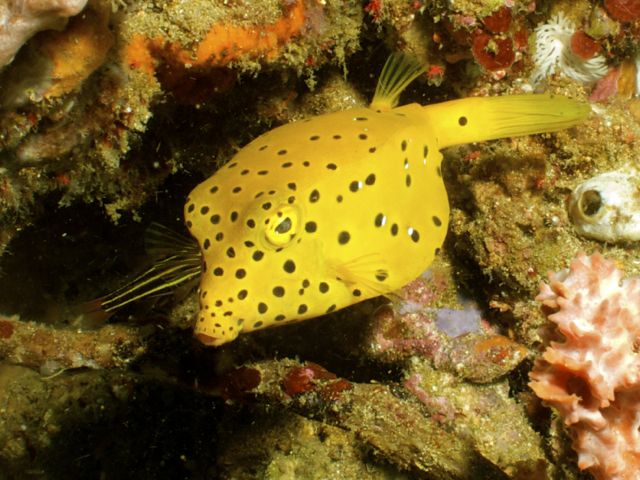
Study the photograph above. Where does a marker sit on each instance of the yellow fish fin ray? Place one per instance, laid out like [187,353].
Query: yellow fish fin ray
[183,265]
[398,72]
[161,241]
[478,119]
[150,283]
[367,272]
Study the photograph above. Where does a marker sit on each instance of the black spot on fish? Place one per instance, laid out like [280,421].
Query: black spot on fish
[363,136]
[278,291]
[241,273]
[356,293]
[191,208]
[436,221]
[215,219]
[302,309]
[236,189]
[242,294]
[372,150]
[244,172]
[403,145]
[415,236]
[291,186]
[263,147]
[310,227]
[287,164]
[381,275]
[232,165]
[189,224]
[258,324]
[279,318]
[231,252]
[305,283]
[218,272]
[354,186]
[379,220]
[266,205]
[219,236]
[407,180]
[282,152]
[332,166]
[313,138]
[257,255]
[371,179]
[305,163]
[462,121]
[263,172]
[344,237]
[323,287]
[394,229]
[289,266]
[213,189]
[262,307]
[337,137]
[234,216]
[291,199]
[425,151]
[258,195]
[251,223]
[332,308]
[314,196]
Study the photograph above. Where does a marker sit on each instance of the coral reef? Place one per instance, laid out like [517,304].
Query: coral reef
[22,19]
[108,121]
[590,372]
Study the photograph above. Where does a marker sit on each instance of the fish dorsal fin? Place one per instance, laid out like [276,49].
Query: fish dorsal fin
[398,72]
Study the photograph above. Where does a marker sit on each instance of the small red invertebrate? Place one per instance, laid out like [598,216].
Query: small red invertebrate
[499,21]
[623,10]
[493,53]
[333,390]
[6,329]
[583,45]
[302,379]
[374,8]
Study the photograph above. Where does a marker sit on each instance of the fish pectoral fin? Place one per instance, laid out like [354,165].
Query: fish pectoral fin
[367,272]
[398,72]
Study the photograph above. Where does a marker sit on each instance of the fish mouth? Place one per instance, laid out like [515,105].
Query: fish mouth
[207,340]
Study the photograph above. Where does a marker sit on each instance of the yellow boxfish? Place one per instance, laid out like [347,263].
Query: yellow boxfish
[319,214]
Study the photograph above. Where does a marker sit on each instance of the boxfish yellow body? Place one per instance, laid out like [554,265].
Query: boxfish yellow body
[317,215]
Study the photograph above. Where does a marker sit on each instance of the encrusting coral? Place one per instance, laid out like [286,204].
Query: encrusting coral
[592,377]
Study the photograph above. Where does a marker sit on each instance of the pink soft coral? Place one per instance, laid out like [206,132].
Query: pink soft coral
[593,377]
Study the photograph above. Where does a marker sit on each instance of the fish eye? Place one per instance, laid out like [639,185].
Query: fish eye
[282,226]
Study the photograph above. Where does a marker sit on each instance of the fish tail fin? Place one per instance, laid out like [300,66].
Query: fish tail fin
[398,72]
[477,119]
